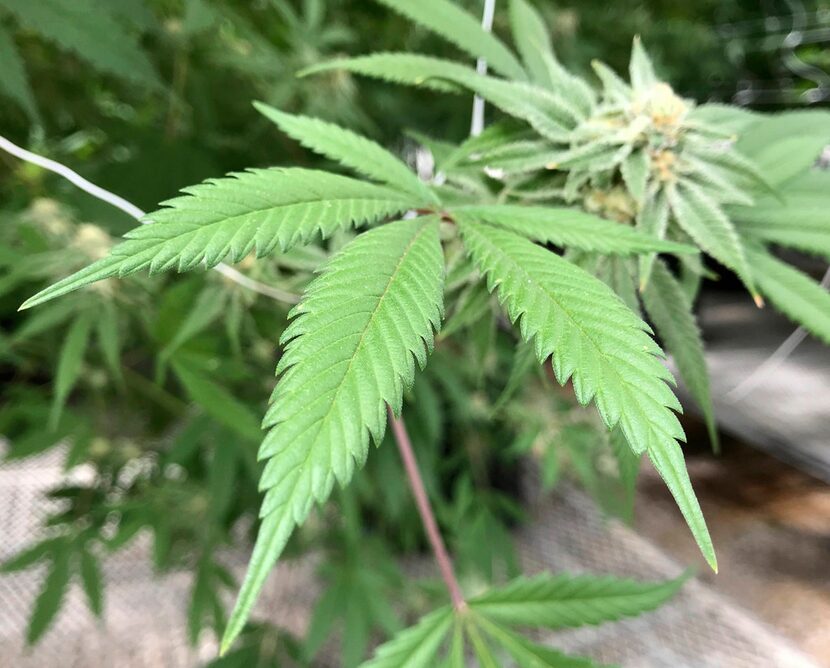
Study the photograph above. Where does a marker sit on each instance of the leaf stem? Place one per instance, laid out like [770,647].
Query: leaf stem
[442,557]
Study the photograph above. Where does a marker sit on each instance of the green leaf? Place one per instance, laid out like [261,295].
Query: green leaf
[653,219]
[709,226]
[628,467]
[87,29]
[258,210]
[92,581]
[45,319]
[14,82]
[222,480]
[736,166]
[640,68]
[784,145]
[614,88]
[524,361]
[472,305]
[671,311]
[527,653]
[109,339]
[595,339]
[570,228]
[51,595]
[548,113]
[69,364]
[793,293]
[635,171]
[30,556]
[798,219]
[462,29]
[482,650]
[564,601]
[217,401]
[208,307]
[725,117]
[417,646]
[456,657]
[350,149]
[532,41]
[349,351]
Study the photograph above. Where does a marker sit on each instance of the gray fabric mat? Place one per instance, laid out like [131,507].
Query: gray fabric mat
[144,624]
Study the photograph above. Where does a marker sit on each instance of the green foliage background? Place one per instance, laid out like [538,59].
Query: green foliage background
[150,379]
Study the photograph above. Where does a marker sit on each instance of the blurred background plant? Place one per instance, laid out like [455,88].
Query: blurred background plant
[146,383]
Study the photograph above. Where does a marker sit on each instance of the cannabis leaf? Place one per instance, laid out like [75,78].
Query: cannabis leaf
[259,210]
[13,79]
[671,311]
[798,218]
[532,41]
[572,228]
[86,28]
[792,291]
[542,601]
[416,646]
[564,601]
[548,113]
[596,340]
[350,149]
[704,221]
[350,350]
[462,29]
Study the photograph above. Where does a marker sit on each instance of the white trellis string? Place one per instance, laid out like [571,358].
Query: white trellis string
[748,384]
[132,210]
[477,122]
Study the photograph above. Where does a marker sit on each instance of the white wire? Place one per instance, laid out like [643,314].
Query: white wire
[746,386]
[132,210]
[477,121]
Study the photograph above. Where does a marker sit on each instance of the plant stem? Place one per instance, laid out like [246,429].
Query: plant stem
[425,511]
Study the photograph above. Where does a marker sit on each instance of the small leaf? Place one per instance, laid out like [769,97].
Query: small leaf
[51,595]
[30,556]
[217,401]
[709,226]
[614,88]
[92,581]
[798,220]
[417,646]
[361,154]
[785,144]
[793,292]
[672,315]
[529,654]
[462,29]
[109,339]
[640,68]
[564,601]
[570,228]
[14,81]
[550,114]
[69,364]
[208,307]
[532,40]
[635,171]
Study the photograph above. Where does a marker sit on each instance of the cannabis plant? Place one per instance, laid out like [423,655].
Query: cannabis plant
[567,211]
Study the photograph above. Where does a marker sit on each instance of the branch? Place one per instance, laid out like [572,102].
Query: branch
[133,211]
[425,511]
